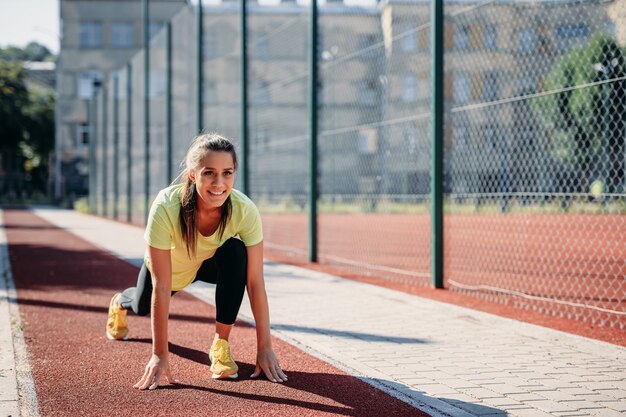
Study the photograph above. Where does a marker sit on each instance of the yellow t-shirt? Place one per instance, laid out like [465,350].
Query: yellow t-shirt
[163,232]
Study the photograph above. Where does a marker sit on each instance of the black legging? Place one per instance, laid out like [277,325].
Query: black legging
[227,269]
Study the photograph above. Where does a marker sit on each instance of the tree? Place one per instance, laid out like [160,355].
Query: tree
[38,140]
[584,119]
[32,52]
[13,98]
[27,126]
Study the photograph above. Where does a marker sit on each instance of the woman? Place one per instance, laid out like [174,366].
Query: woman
[191,236]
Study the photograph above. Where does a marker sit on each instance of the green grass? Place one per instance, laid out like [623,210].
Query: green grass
[286,205]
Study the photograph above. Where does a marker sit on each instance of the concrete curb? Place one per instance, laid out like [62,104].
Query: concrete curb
[17,388]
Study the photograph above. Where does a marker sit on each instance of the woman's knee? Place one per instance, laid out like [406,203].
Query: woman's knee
[234,250]
[141,310]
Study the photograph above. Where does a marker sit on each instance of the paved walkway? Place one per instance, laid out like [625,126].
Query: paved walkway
[446,360]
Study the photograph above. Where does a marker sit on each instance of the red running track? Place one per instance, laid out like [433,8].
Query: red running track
[64,285]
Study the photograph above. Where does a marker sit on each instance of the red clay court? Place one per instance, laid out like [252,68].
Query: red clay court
[573,259]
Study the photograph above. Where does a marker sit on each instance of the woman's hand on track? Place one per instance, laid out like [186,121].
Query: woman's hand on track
[267,362]
[158,367]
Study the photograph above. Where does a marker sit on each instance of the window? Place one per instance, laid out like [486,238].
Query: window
[491,86]
[209,93]
[410,138]
[368,93]
[408,40]
[82,135]
[610,29]
[462,88]
[367,141]
[208,47]
[90,35]
[409,88]
[489,135]
[460,138]
[527,85]
[261,48]
[568,36]
[122,35]
[461,38]
[527,40]
[154,28]
[367,45]
[262,138]
[88,81]
[259,92]
[157,83]
[121,83]
[490,38]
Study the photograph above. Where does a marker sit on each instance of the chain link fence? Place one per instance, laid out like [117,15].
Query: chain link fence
[535,124]
[278,126]
[535,157]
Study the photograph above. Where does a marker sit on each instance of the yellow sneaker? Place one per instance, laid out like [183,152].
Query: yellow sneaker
[222,364]
[116,324]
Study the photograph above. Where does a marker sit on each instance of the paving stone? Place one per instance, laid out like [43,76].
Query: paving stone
[438,390]
[599,385]
[502,402]
[551,383]
[480,393]
[615,405]
[551,406]
[458,383]
[9,409]
[595,397]
[507,389]
[615,393]
[586,405]
[578,391]
[8,385]
[527,397]
[558,396]
[529,412]
[619,384]
[608,413]
[478,408]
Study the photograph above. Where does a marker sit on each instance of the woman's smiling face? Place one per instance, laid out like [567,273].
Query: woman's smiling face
[214,178]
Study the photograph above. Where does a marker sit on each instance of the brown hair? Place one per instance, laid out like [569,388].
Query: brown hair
[200,145]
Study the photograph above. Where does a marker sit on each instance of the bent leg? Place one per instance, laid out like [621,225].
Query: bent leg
[138,298]
[227,268]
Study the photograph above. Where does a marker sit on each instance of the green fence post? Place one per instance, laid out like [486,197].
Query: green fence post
[116,139]
[244,98]
[313,132]
[200,65]
[146,107]
[91,114]
[105,145]
[168,103]
[436,267]
[129,142]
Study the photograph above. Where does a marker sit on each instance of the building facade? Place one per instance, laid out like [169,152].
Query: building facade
[98,37]
[374,93]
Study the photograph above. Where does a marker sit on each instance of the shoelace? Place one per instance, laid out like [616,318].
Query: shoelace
[222,353]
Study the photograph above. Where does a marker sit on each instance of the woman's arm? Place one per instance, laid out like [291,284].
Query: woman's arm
[266,359]
[161,266]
